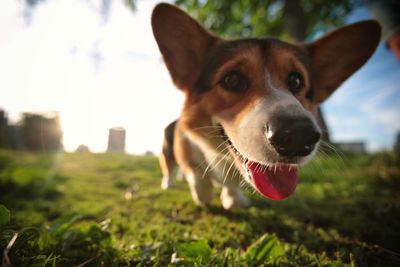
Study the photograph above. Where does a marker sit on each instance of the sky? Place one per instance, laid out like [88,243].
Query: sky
[367,106]
[98,75]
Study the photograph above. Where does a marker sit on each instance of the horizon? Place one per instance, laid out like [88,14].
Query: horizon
[98,76]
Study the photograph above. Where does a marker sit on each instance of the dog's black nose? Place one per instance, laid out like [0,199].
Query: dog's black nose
[293,136]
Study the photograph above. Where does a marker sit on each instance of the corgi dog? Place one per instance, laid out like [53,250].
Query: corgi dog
[250,104]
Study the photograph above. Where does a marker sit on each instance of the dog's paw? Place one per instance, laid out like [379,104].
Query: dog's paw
[201,196]
[231,198]
[166,183]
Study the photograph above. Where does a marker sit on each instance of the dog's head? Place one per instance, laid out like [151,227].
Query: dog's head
[263,92]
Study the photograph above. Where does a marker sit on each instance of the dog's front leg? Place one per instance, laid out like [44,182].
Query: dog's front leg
[225,174]
[201,187]
[191,161]
[168,165]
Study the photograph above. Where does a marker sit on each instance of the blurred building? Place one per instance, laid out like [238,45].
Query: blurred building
[149,153]
[352,147]
[82,149]
[116,139]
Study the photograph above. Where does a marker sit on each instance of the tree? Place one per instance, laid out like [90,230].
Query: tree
[4,136]
[101,6]
[293,20]
[39,133]
[286,19]
[33,132]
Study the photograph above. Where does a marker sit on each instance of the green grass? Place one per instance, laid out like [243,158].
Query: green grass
[108,210]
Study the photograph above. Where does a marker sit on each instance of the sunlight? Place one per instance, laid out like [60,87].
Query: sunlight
[96,77]
[88,122]
[80,130]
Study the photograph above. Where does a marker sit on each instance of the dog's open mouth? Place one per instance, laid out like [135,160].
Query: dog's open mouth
[275,182]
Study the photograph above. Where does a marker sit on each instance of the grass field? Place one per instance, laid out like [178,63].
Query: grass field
[108,210]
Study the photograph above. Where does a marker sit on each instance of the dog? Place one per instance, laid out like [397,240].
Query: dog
[250,104]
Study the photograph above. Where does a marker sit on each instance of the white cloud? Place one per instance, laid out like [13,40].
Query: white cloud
[388,118]
[380,108]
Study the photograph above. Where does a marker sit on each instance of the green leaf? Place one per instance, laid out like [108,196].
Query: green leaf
[61,225]
[4,216]
[266,249]
[194,250]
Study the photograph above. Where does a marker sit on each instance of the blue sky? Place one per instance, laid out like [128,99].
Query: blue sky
[366,107]
[48,67]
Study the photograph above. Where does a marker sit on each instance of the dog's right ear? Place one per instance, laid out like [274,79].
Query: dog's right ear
[182,42]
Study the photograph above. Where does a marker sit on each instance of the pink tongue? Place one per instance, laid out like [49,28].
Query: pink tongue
[274,184]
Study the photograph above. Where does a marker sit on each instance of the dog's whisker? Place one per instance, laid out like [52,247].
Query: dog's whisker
[318,164]
[211,164]
[337,162]
[221,144]
[332,148]
[224,168]
[227,173]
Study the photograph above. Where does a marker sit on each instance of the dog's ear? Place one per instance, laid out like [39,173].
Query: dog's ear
[182,42]
[339,54]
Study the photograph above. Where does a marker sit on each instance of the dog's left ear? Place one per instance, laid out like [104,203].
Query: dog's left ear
[339,54]
[182,42]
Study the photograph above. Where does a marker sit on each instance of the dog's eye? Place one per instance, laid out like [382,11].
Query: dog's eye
[234,81]
[295,82]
